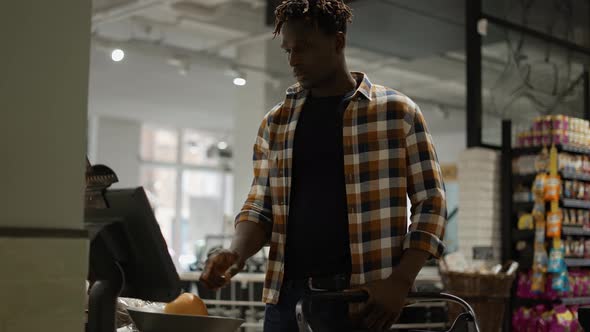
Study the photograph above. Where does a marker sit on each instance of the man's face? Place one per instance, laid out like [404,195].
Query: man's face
[313,55]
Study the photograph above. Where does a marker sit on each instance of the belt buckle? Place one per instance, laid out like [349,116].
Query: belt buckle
[312,288]
[334,283]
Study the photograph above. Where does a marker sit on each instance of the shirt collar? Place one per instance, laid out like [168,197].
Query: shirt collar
[364,88]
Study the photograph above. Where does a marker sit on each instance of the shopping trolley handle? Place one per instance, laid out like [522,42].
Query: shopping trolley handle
[303,309]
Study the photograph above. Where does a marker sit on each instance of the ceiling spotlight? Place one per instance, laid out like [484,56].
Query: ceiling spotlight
[239,81]
[117,55]
[222,145]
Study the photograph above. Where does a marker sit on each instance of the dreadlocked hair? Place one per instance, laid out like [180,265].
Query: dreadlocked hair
[331,16]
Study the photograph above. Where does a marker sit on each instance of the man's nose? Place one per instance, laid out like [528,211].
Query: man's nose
[294,60]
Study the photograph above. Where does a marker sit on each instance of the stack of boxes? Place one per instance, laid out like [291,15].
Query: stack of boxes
[555,129]
[479,215]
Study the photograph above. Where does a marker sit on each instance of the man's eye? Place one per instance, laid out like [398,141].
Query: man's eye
[287,51]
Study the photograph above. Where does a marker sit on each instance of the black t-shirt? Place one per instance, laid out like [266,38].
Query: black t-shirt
[317,229]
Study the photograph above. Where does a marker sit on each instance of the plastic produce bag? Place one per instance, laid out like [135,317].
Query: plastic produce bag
[123,319]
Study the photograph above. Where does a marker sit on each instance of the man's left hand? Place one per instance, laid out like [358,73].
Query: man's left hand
[386,300]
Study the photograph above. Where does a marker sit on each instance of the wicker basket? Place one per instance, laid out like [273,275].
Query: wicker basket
[487,294]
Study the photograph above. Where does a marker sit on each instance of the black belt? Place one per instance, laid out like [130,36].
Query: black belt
[336,282]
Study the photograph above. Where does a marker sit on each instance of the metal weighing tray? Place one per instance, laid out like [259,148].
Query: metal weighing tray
[147,320]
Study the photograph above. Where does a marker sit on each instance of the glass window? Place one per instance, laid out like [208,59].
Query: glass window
[160,186]
[159,144]
[200,148]
[205,193]
[202,207]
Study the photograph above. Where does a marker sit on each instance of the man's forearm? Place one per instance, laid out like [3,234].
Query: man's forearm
[412,261]
[249,238]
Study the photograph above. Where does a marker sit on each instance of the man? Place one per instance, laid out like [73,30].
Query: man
[332,166]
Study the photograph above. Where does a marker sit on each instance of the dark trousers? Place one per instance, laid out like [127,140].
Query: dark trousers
[327,316]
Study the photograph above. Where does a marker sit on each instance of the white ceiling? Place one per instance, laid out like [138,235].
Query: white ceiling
[147,88]
[204,35]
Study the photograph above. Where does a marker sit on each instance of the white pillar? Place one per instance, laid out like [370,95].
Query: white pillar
[43,109]
[250,108]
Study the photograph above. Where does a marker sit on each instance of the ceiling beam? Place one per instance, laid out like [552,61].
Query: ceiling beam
[124,11]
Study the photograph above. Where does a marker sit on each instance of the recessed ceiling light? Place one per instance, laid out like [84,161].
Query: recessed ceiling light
[117,55]
[222,145]
[239,81]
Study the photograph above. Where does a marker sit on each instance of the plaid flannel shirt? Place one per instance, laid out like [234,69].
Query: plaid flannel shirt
[388,154]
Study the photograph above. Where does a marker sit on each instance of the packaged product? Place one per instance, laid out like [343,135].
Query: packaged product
[587,248]
[552,188]
[585,164]
[539,210]
[525,222]
[579,253]
[561,282]
[580,189]
[556,262]
[573,217]
[537,282]
[566,217]
[539,185]
[568,189]
[564,319]
[554,224]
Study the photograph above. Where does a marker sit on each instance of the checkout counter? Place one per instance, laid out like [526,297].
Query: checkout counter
[129,258]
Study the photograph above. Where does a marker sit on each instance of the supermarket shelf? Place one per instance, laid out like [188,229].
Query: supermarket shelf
[575,230]
[565,300]
[525,151]
[241,277]
[575,203]
[565,202]
[575,176]
[526,234]
[252,325]
[566,175]
[235,303]
[574,149]
[533,302]
[577,262]
[575,300]
[564,148]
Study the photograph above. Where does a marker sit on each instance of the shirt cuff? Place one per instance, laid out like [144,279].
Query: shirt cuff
[424,241]
[253,216]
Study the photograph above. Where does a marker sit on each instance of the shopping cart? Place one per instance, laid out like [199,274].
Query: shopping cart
[465,322]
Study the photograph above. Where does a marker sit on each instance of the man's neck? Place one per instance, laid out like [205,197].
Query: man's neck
[340,83]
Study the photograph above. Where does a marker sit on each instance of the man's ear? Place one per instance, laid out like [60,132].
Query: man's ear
[340,41]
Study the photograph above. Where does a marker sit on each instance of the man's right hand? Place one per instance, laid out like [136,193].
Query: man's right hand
[220,267]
